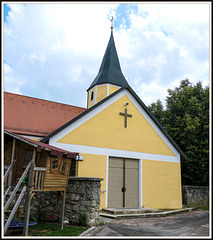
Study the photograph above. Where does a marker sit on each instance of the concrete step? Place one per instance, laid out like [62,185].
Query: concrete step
[119,211]
[144,212]
[126,212]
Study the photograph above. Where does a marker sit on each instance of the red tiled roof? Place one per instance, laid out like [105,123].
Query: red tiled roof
[33,116]
[53,150]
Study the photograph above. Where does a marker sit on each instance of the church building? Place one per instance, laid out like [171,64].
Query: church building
[116,138]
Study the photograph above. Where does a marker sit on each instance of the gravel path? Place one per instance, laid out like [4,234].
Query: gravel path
[145,222]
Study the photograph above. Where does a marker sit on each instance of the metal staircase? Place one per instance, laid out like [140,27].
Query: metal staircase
[13,196]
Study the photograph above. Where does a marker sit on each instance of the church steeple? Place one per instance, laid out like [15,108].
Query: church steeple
[109,75]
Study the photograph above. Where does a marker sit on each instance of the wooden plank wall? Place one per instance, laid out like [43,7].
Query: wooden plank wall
[21,149]
[7,153]
[55,179]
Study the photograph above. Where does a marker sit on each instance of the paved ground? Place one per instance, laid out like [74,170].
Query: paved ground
[194,223]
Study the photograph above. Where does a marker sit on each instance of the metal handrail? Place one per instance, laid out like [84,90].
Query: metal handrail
[17,187]
[8,170]
[14,209]
[7,192]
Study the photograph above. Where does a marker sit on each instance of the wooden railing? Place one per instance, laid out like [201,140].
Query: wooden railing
[38,178]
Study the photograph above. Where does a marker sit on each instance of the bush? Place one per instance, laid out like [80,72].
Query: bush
[82,219]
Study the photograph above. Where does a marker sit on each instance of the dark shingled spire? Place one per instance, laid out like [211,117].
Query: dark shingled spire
[110,70]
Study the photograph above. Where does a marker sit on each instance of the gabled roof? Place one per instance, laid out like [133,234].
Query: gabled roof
[33,116]
[127,87]
[110,70]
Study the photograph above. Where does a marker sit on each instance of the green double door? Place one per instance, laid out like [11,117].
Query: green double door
[123,183]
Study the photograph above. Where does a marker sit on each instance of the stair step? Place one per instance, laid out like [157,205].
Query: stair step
[135,215]
[126,211]
[8,210]
[157,213]
[18,191]
[107,215]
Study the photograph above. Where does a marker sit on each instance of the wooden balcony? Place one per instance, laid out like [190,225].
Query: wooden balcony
[38,178]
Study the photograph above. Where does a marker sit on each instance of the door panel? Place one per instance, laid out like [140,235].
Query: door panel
[132,163]
[115,183]
[115,162]
[117,174]
[132,183]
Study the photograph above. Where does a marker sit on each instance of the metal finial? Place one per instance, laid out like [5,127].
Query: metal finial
[112,22]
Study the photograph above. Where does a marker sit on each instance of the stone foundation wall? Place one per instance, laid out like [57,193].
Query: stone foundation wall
[82,197]
[195,195]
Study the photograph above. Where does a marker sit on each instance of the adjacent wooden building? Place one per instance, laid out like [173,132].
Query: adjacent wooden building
[37,165]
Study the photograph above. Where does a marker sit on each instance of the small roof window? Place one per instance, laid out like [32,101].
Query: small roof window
[92,96]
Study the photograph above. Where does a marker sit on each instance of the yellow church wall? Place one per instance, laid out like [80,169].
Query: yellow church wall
[109,131]
[94,166]
[89,102]
[101,92]
[32,137]
[161,184]
[35,139]
[112,89]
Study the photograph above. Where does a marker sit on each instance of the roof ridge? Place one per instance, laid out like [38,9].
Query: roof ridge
[43,99]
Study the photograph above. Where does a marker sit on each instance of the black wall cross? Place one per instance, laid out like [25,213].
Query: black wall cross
[125,115]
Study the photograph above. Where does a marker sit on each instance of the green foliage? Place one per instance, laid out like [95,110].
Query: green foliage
[157,109]
[54,230]
[82,219]
[101,223]
[204,208]
[186,119]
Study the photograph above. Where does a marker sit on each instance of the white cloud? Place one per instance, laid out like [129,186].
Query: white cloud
[166,43]
[151,92]
[12,84]
[39,57]
[56,49]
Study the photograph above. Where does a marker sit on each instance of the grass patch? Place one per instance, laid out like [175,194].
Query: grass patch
[54,230]
[204,208]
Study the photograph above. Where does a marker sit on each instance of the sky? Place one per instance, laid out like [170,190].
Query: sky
[53,50]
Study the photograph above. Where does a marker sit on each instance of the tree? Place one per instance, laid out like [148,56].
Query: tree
[158,111]
[186,119]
